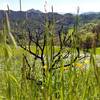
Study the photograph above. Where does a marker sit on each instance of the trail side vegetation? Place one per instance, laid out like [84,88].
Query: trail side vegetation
[45,65]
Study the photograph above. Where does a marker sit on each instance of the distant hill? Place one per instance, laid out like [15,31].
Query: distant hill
[35,18]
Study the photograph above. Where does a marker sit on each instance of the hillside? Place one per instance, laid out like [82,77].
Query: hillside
[36,18]
[32,20]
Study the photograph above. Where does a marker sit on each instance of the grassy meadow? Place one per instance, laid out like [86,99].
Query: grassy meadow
[35,70]
[73,82]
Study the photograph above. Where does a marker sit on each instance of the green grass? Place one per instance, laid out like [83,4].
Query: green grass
[77,83]
[98,50]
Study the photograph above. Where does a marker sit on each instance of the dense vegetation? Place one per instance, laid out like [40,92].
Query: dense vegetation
[45,60]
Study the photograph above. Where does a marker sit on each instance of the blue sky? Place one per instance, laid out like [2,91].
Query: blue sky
[61,6]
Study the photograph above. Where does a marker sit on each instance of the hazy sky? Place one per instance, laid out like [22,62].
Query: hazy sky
[61,6]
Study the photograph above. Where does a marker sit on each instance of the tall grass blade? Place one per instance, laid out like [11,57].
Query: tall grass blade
[9,30]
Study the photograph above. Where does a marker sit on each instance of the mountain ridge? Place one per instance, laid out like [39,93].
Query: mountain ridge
[36,18]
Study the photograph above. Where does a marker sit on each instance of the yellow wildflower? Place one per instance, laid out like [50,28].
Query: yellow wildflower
[79,65]
[86,61]
[66,68]
[45,67]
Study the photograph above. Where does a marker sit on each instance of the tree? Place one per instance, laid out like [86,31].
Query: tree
[96,31]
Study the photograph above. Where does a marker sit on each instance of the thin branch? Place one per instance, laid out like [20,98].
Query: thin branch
[30,52]
[67,55]
[26,61]
[66,65]
[37,44]
[56,61]
[57,54]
